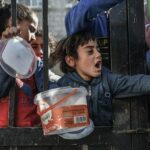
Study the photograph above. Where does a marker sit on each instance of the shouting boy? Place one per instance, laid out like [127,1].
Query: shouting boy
[81,62]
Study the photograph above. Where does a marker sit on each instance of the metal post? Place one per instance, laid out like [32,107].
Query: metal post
[45,40]
[12,91]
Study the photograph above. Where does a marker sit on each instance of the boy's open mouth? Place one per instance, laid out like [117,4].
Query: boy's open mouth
[97,65]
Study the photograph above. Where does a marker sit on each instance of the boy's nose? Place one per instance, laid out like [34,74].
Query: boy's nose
[40,53]
[98,54]
[33,37]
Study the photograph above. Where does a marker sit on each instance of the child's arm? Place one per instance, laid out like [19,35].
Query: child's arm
[127,86]
[26,89]
[39,76]
[78,17]
[53,78]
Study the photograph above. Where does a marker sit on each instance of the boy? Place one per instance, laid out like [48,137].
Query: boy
[82,64]
[25,112]
[93,16]
[37,45]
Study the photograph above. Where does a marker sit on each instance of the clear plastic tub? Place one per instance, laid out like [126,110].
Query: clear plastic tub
[62,110]
[17,58]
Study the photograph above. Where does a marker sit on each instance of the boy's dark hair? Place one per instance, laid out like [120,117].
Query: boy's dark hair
[23,13]
[68,46]
[5,14]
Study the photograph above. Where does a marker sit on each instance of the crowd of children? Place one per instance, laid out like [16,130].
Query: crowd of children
[79,59]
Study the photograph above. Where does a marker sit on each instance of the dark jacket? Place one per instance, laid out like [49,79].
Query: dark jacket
[90,15]
[6,81]
[103,88]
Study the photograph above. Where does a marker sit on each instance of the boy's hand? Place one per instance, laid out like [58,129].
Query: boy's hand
[10,32]
[19,82]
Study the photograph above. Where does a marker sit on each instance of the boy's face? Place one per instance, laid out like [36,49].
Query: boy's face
[88,64]
[28,29]
[37,46]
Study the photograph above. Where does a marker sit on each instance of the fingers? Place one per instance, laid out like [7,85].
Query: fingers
[10,32]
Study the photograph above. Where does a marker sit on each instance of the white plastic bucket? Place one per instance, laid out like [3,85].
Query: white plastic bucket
[17,58]
[62,110]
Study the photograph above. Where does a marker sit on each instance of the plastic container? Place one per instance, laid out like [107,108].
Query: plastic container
[80,133]
[17,58]
[62,110]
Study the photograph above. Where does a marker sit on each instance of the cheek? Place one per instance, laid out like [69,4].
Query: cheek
[24,34]
[86,63]
[36,50]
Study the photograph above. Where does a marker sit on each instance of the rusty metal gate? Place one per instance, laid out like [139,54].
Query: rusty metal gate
[131,116]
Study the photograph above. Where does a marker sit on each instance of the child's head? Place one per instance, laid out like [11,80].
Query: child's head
[78,52]
[26,20]
[37,44]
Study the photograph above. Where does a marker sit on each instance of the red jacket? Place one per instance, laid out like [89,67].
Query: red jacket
[25,109]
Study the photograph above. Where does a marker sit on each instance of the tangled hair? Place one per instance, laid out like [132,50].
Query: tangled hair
[68,47]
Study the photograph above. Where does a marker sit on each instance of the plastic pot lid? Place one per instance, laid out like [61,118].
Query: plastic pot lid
[17,58]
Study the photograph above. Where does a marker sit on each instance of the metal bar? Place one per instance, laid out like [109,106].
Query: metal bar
[13,12]
[16,136]
[12,91]
[45,40]
[133,131]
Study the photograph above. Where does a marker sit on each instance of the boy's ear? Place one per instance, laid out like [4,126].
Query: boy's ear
[70,61]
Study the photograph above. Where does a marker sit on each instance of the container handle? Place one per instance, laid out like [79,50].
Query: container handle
[57,103]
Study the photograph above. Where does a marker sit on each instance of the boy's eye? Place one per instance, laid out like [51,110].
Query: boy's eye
[34,47]
[32,30]
[90,51]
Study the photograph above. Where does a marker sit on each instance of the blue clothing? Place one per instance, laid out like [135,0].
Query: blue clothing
[148,59]
[39,78]
[90,15]
[105,87]
[26,89]
[6,82]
